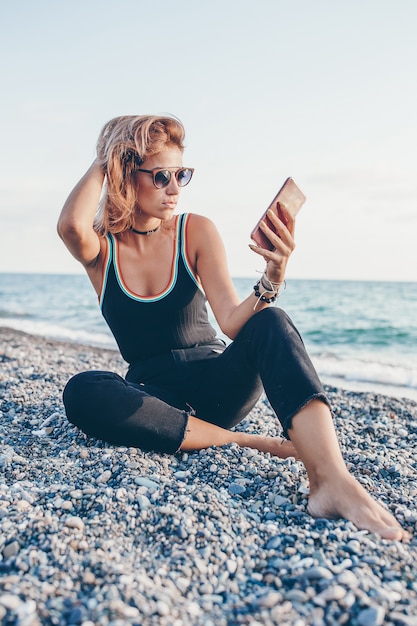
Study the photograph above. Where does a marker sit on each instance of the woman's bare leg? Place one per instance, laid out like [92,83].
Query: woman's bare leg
[334,492]
[202,434]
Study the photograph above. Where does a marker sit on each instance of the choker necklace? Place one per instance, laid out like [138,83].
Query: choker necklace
[145,232]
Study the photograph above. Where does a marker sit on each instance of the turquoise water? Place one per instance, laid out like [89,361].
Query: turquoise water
[360,335]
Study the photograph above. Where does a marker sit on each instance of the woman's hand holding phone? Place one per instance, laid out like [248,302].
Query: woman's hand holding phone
[274,233]
[280,235]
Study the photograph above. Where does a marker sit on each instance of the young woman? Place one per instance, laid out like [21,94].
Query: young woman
[153,270]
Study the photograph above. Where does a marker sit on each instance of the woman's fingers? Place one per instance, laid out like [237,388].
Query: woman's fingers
[281,234]
[282,220]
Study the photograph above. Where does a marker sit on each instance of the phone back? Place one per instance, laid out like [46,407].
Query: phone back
[292,198]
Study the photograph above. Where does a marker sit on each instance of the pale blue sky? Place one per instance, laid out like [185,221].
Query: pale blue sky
[324,91]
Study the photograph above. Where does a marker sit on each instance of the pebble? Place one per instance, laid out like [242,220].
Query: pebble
[268,600]
[372,616]
[231,566]
[182,474]
[143,502]
[348,579]
[75,522]
[333,592]
[10,601]
[400,619]
[353,546]
[297,595]
[236,489]
[317,572]
[111,535]
[11,549]
[104,477]
[146,482]
[280,501]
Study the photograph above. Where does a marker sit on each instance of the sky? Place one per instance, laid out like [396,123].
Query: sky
[323,91]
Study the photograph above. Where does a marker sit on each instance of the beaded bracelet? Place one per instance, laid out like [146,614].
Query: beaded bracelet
[274,288]
[261,296]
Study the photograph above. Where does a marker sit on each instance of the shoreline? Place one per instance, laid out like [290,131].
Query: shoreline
[95,534]
[394,390]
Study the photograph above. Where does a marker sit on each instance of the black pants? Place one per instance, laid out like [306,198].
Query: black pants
[150,408]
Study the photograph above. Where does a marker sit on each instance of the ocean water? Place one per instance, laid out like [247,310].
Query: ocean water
[360,335]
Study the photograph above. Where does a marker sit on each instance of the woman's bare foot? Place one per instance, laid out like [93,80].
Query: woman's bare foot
[346,498]
[334,492]
[277,446]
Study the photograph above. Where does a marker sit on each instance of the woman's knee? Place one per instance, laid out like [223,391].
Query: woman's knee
[269,320]
[273,315]
[83,392]
[104,405]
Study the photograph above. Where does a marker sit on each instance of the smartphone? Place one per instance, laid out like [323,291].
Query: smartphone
[292,198]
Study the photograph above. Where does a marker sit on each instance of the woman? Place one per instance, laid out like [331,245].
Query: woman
[184,390]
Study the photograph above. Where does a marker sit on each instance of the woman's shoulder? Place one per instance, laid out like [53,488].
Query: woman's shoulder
[201,234]
[198,222]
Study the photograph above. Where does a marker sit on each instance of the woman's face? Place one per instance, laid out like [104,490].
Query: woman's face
[154,202]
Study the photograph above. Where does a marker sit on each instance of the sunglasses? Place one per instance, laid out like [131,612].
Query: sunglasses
[162,178]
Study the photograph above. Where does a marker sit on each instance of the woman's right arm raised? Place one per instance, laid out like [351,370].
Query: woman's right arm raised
[75,224]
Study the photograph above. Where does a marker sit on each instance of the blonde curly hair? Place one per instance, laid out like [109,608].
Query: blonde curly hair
[123,145]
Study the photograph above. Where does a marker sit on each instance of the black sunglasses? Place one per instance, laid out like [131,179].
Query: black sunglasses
[161,177]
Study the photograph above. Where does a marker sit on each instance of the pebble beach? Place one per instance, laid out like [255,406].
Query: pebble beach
[96,535]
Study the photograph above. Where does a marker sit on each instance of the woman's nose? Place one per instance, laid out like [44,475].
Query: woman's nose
[173,188]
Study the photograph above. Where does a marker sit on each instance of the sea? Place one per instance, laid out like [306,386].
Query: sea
[360,335]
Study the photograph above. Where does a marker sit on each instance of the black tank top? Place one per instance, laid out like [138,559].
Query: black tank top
[145,326]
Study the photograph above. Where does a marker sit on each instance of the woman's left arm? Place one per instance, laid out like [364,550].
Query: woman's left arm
[207,251]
